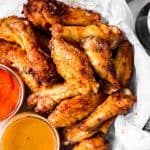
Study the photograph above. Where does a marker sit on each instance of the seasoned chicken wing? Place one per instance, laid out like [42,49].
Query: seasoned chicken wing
[44,13]
[47,98]
[76,33]
[99,56]
[124,63]
[94,143]
[72,110]
[18,30]
[115,104]
[73,65]
[11,55]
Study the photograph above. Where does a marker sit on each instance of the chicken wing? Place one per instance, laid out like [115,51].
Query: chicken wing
[72,110]
[99,56]
[73,65]
[18,30]
[46,99]
[43,13]
[115,104]
[76,34]
[94,143]
[11,55]
[124,63]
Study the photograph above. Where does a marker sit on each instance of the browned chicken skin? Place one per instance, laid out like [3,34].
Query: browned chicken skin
[102,129]
[18,30]
[11,55]
[72,110]
[73,65]
[94,143]
[77,33]
[44,13]
[99,55]
[115,104]
[124,63]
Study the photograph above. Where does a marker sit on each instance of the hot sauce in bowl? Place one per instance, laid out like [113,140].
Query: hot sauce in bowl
[11,92]
[28,131]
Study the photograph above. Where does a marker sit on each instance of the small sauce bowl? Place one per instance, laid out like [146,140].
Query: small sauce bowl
[29,131]
[11,93]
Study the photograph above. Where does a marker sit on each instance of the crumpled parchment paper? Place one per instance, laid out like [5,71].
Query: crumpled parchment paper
[128,133]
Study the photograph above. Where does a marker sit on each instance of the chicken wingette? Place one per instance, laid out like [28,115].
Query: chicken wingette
[11,55]
[115,104]
[76,34]
[99,56]
[124,63]
[44,13]
[94,143]
[73,65]
[72,110]
[18,30]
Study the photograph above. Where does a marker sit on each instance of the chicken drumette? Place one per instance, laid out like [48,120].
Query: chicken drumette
[100,56]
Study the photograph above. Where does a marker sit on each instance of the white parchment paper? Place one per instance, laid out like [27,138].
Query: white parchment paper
[128,134]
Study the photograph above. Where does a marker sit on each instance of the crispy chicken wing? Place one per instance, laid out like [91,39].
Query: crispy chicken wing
[115,104]
[76,34]
[102,129]
[99,56]
[124,63]
[44,13]
[11,55]
[73,65]
[94,143]
[46,99]
[72,110]
[18,30]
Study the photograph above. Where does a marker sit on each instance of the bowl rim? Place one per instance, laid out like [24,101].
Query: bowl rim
[30,115]
[21,91]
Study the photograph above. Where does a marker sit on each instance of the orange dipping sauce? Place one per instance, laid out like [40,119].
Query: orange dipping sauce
[9,93]
[29,132]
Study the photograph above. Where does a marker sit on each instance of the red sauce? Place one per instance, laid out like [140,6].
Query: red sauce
[9,93]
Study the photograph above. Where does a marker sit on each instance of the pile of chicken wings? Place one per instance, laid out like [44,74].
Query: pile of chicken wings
[77,67]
